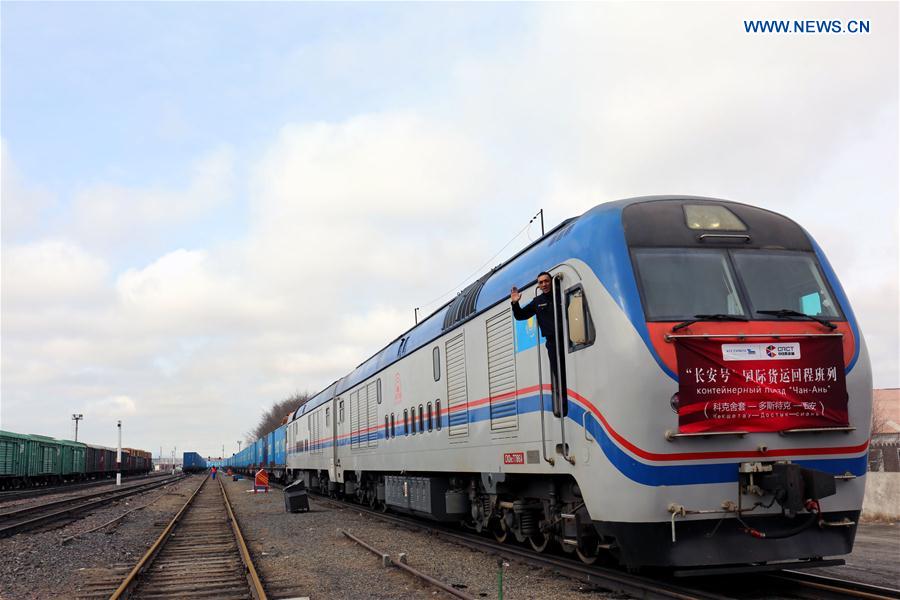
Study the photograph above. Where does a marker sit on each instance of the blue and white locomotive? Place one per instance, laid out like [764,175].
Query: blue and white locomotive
[457,420]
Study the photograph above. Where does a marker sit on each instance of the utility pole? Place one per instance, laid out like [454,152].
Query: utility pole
[76,418]
[540,214]
[119,455]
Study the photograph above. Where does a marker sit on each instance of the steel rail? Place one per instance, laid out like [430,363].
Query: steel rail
[820,585]
[148,557]
[107,497]
[252,575]
[841,588]
[388,561]
[65,488]
[143,567]
[17,512]
[609,579]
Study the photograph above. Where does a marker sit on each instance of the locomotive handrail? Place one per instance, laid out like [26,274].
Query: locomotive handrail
[560,374]
[724,236]
[550,459]
[671,435]
[816,430]
[742,336]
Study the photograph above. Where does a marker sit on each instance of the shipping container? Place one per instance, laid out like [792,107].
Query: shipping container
[277,457]
[193,463]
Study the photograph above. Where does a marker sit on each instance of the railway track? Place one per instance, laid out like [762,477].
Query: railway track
[50,513]
[200,554]
[778,584]
[24,493]
[818,587]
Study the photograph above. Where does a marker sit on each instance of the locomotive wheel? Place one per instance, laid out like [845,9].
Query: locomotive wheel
[590,554]
[540,541]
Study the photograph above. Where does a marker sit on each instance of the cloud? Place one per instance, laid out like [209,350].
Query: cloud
[184,292]
[397,168]
[362,211]
[379,325]
[109,213]
[51,272]
[113,406]
[24,206]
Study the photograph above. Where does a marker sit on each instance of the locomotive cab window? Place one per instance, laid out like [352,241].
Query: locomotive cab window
[678,283]
[785,280]
[681,283]
[581,328]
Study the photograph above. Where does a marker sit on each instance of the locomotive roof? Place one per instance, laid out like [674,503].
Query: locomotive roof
[576,237]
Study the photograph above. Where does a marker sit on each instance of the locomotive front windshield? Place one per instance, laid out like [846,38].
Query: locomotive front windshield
[680,283]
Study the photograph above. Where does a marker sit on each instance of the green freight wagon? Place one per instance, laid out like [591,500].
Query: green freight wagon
[12,459]
[72,462]
[44,456]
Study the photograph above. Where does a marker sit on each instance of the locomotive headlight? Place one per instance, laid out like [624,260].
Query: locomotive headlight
[673,402]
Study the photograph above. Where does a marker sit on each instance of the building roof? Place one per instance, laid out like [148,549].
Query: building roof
[886,406]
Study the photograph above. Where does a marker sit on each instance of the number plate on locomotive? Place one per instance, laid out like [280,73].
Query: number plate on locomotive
[514,458]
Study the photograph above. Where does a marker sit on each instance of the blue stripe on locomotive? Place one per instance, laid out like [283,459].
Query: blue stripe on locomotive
[632,468]
[842,299]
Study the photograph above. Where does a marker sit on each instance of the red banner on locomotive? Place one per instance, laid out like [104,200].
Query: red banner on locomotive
[770,386]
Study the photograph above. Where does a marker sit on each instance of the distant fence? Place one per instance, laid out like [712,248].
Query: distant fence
[882,500]
[884,455]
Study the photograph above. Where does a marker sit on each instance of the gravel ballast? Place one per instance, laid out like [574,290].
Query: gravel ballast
[37,565]
[305,555]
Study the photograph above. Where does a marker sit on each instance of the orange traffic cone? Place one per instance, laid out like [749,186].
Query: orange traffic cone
[261,481]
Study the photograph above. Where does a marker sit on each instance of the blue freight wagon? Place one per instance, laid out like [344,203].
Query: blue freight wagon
[277,456]
[193,463]
[253,458]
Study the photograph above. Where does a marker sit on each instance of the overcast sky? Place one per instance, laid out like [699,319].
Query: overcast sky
[208,207]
